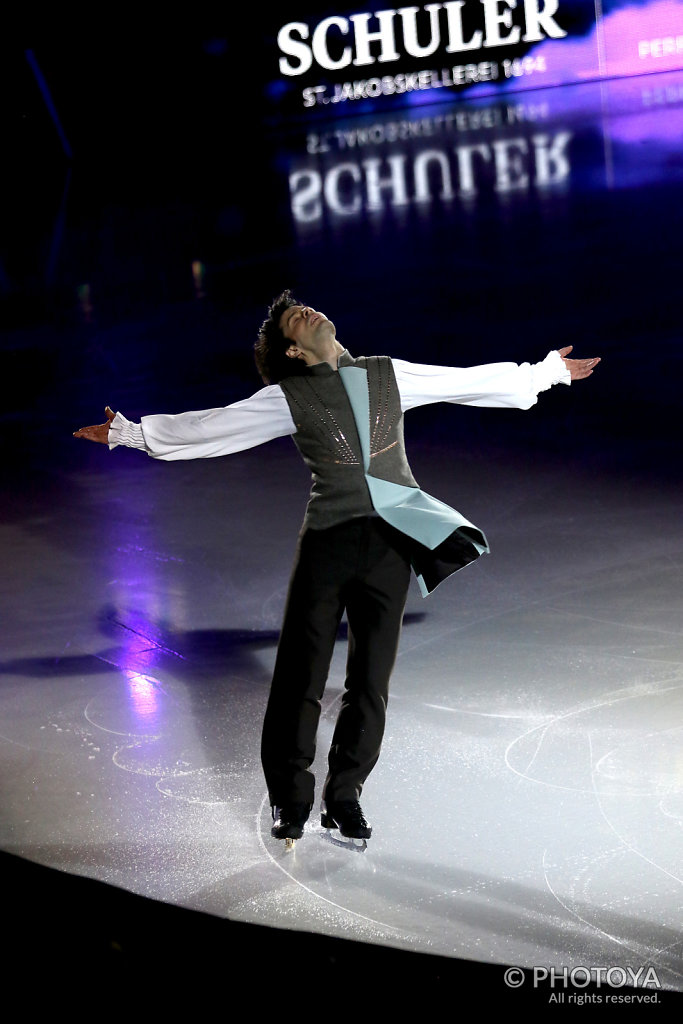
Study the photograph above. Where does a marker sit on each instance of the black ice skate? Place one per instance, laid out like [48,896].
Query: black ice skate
[348,817]
[289,821]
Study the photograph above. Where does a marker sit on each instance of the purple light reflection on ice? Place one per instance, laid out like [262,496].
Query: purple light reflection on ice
[158,556]
[145,637]
[144,692]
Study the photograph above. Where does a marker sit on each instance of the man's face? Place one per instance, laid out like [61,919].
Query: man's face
[307,329]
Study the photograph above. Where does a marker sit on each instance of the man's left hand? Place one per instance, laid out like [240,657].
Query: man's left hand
[578,368]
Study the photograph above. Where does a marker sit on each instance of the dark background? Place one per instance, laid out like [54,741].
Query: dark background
[163,160]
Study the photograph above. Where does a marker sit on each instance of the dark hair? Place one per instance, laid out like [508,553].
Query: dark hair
[271,346]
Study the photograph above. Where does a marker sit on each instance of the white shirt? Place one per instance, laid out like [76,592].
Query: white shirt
[265,415]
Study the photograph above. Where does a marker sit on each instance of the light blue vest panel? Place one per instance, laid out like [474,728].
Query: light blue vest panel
[408,509]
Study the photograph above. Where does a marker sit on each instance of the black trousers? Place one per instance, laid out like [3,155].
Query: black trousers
[360,566]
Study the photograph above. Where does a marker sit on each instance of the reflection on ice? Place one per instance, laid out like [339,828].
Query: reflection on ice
[143,694]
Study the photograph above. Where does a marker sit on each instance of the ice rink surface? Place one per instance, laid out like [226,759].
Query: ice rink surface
[528,805]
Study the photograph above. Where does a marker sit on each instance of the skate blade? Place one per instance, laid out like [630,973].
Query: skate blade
[289,843]
[357,845]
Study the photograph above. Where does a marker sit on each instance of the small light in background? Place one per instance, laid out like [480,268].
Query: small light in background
[85,303]
[198,271]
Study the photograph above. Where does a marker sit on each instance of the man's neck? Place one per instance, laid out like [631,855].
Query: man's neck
[326,354]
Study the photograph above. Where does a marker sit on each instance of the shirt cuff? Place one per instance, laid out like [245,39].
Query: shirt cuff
[553,370]
[122,431]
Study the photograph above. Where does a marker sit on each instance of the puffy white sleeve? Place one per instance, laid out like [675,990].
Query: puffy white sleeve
[204,435]
[495,385]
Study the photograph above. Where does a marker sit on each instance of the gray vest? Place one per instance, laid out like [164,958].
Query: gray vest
[349,430]
[327,437]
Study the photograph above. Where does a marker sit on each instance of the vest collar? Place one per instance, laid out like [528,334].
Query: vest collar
[324,369]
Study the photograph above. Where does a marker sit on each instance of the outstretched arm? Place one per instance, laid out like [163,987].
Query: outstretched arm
[200,435]
[492,385]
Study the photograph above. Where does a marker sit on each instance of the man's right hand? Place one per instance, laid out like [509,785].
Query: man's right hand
[100,432]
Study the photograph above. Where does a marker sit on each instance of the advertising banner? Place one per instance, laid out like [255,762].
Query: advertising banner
[350,60]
